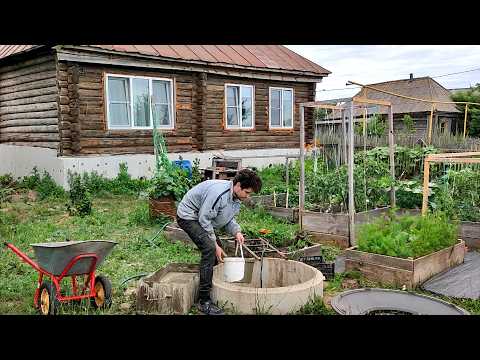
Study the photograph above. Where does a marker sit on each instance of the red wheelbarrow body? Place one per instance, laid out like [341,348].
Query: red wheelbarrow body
[58,260]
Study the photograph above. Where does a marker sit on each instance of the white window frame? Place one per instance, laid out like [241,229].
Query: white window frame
[281,107]
[150,89]
[240,127]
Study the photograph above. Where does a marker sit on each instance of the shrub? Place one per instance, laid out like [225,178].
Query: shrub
[80,200]
[43,184]
[407,236]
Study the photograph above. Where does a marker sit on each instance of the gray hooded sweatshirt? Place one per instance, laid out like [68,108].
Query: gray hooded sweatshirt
[213,205]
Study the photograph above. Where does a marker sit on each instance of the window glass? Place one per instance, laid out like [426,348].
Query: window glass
[141,102]
[232,95]
[287,108]
[119,105]
[161,102]
[247,109]
[232,116]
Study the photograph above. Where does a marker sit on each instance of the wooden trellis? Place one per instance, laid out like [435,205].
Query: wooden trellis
[350,140]
[445,158]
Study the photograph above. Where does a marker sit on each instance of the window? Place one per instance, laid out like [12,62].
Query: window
[239,106]
[133,102]
[281,108]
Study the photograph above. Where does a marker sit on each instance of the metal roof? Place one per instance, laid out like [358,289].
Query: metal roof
[260,56]
[266,57]
[7,50]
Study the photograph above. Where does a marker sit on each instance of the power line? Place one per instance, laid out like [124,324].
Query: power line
[433,77]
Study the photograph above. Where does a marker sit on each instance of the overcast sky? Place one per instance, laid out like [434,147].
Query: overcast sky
[367,64]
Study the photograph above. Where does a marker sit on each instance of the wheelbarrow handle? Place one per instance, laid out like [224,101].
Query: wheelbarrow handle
[23,256]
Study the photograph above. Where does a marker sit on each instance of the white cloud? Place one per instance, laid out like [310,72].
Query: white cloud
[377,63]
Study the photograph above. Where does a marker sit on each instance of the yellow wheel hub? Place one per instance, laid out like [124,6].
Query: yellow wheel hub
[45,302]
[99,294]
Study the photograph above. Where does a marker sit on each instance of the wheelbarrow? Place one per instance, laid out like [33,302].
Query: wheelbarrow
[58,260]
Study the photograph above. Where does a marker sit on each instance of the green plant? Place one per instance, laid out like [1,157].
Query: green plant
[315,306]
[43,184]
[407,236]
[282,233]
[48,188]
[473,115]
[31,181]
[196,173]
[80,199]
[458,194]
[168,180]
[408,124]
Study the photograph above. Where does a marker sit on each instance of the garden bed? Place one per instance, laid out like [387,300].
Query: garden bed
[333,228]
[397,271]
[325,228]
[268,202]
[470,233]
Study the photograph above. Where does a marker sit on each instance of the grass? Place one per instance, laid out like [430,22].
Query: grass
[119,218]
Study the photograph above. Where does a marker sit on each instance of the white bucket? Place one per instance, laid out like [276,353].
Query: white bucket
[234,268]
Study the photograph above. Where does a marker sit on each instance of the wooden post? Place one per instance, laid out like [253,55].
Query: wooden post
[430,126]
[465,122]
[351,199]
[301,200]
[344,137]
[426,181]
[286,181]
[391,150]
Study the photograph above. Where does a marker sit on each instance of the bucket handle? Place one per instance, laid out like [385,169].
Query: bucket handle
[241,249]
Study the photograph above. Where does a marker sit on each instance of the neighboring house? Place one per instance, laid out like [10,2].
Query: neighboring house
[445,116]
[90,107]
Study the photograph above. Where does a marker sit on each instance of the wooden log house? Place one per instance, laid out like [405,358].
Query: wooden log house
[100,101]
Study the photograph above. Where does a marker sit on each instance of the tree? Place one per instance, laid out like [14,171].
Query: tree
[473,116]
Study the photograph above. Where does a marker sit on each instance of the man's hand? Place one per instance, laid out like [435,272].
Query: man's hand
[240,239]
[219,253]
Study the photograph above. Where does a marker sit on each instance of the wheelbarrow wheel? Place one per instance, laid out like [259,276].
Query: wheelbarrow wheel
[103,293]
[47,301]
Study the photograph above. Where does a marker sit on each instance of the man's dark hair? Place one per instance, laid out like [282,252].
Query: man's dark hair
[248,179]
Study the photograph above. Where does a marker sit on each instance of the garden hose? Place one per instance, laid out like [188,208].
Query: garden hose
[132,277]
[158,233]
[152,243]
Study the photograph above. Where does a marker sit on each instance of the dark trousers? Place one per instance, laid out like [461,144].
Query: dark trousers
[207,247]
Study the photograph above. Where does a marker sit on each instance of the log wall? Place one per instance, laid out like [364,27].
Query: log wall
[83,113]
[199,106]
[215,135]
[29,103]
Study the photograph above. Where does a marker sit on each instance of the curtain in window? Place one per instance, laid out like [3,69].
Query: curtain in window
[233,106]
[287,108]
[275,107]
[161,102]
[141,102]
[246,106]
[119,104]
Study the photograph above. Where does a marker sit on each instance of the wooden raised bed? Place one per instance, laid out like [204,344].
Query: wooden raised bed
[333,228]
[268,202]
[470,233]
[397,271]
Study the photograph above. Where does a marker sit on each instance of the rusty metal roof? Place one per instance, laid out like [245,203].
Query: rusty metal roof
[266,57]
[258,56]
[7,50]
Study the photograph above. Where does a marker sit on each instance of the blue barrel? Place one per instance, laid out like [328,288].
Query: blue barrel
[184,164]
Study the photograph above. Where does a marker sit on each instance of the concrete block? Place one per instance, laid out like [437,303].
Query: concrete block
[171,290]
